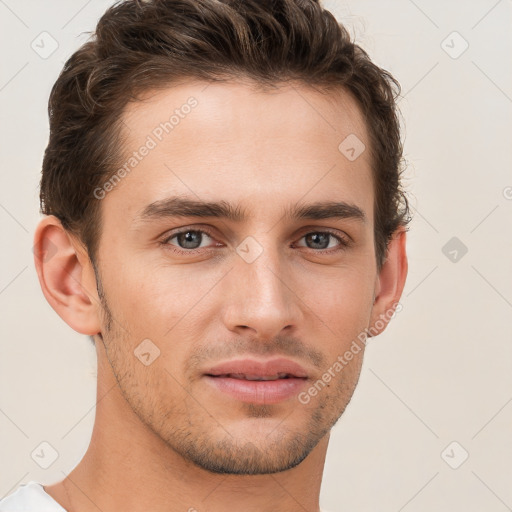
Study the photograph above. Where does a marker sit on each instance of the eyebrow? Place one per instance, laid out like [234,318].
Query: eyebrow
[183,207]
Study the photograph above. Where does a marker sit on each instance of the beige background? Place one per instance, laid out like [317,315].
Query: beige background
[442,372]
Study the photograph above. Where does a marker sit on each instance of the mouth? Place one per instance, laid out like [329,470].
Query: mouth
[244,376]
[258,382]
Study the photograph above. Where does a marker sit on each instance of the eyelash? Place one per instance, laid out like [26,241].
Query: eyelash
[343,243]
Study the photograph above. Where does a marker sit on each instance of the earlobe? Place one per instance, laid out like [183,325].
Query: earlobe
[66,276]
[390,283]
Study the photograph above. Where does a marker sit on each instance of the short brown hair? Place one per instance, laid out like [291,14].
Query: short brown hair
[142,45]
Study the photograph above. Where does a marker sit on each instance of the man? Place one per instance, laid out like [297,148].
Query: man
[224,218]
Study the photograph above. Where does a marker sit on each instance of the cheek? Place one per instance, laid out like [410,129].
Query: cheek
[151,296]
[165,305]
[343,303]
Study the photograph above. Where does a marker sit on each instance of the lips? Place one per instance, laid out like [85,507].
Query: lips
[280,375]
[252,369]
[259,382]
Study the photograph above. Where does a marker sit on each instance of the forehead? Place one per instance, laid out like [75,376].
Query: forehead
[227,140]
[231,105]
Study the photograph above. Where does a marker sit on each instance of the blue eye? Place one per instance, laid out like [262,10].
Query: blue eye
[323,238]
[188,241]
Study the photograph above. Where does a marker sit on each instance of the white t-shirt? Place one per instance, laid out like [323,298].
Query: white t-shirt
[30,497]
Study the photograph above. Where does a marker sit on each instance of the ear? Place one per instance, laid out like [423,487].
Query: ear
[390,283]
[66,276]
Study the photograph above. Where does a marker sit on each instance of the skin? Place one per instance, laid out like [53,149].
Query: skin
[163,439]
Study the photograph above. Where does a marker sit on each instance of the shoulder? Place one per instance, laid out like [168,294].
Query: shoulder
[29,497]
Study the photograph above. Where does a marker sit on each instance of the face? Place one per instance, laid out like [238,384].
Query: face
[220,318]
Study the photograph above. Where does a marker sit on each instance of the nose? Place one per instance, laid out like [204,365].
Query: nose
[261,297]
